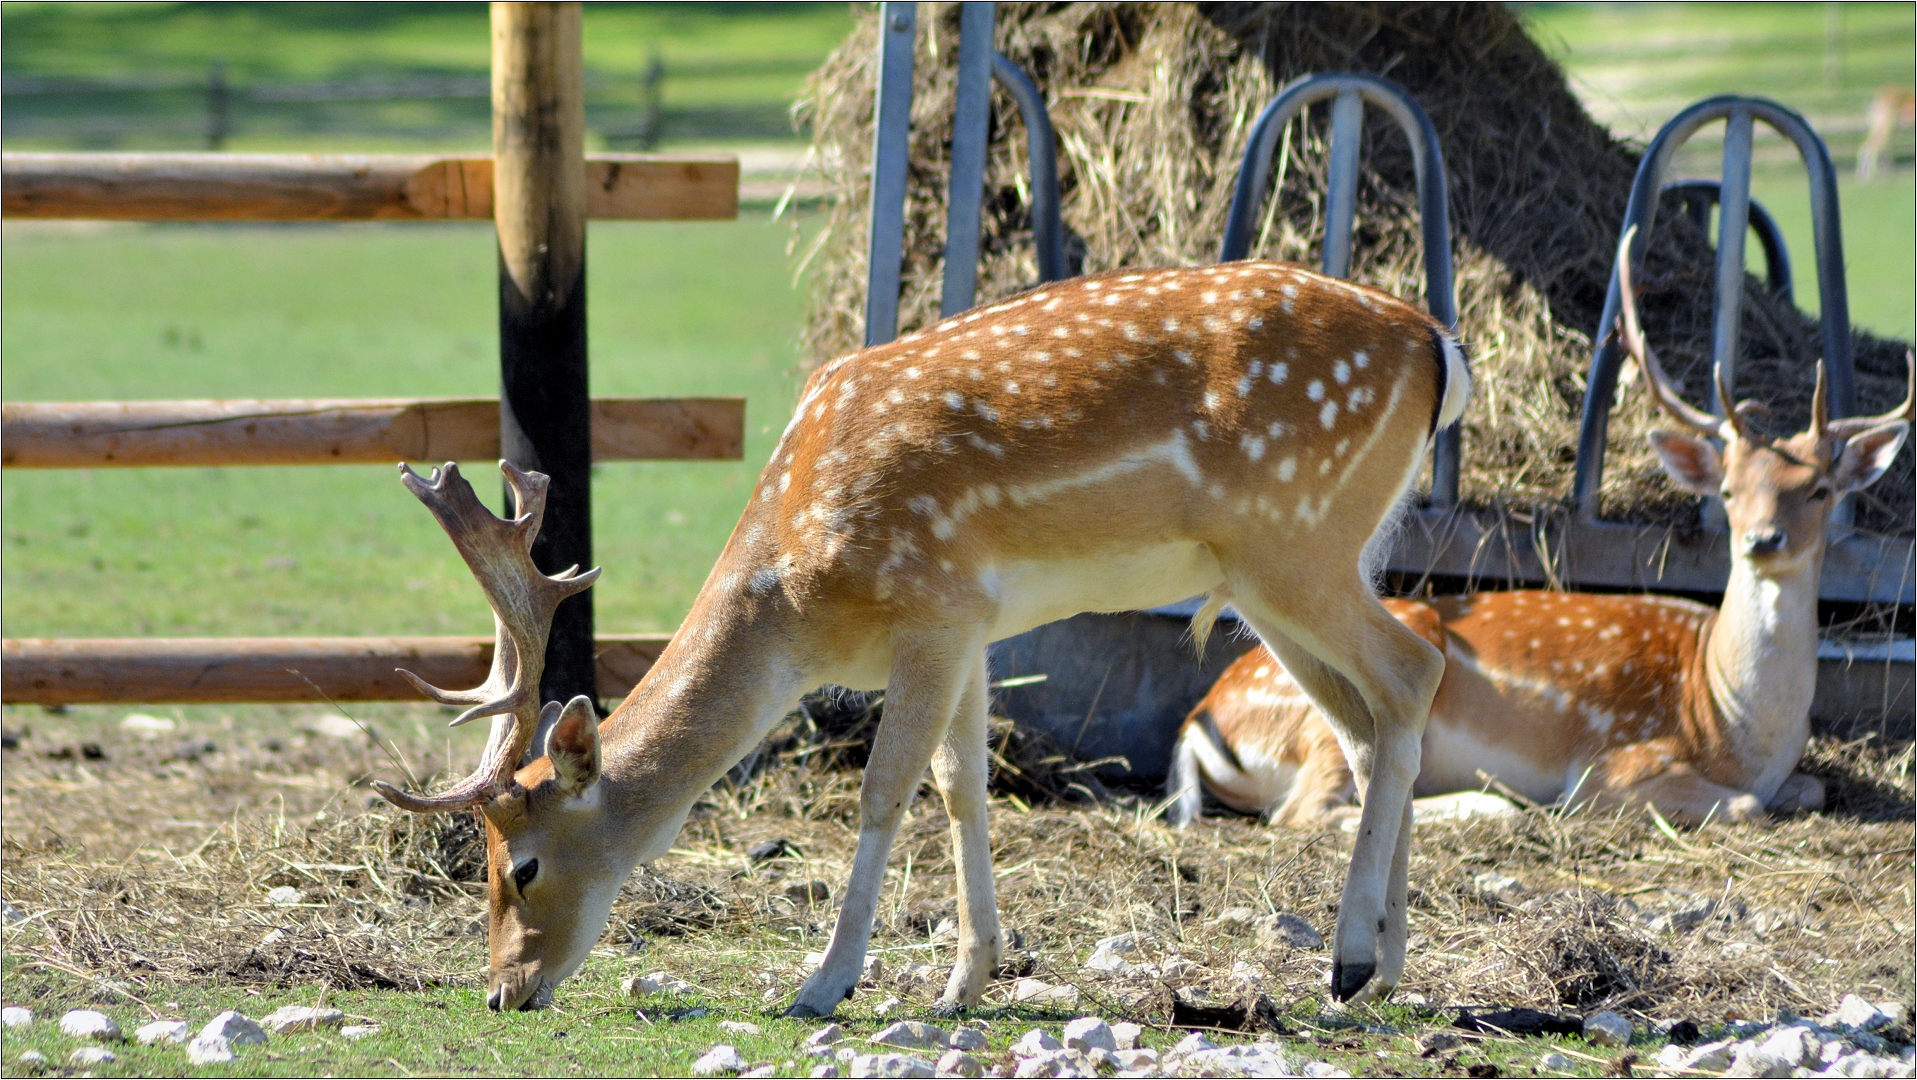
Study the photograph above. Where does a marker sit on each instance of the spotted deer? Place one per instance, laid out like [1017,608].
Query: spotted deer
[1102,444]
[1596,699]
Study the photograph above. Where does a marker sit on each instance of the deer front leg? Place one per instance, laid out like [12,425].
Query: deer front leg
[1683,795]
[1799,791]
[928,673]
[960,767]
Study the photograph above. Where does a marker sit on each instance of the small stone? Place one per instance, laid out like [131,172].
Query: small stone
[1498,886]
[808,892]
[358,1031]
[959,1063]
[1863,1064]
[90,1024]
[92,1055]
[1236,920]
[769,849]
[1245,973]
[1090,1033]
[1258,1059]
[1192,1044]
[1854,1012]
[209,1050]
[739,1027]
[755,1073]
[285,896]
[1126,1034]
[234,1028]
[892,1065]
[1040,992]
[1714,1056]
[291,1018]
[1897,1011]
[16,1016]
[9,913]
[1324,1069]
[829,1035]
[887,1007]
[31,1057]
[968,1039]
[721,1060]
[1054,1063]
[1437,1043]
[658,982]
[913,1035]
[1608,1029]
[946,931]
[147,727]
[173,1031]
[1556,1062]
[1137,1058]
[827,1071]
[1289,929]
[1115,955]
[1035,1042]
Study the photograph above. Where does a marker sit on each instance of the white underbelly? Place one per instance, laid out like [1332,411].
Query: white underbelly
[1453,759]
[1034,593]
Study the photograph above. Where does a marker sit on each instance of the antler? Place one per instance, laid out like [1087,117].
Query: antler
[1857,425]
[1732,425]
[523,601]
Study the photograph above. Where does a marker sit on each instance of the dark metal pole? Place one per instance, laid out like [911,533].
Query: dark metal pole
[1048,232]
[539,207]
[971,121]
[891,145]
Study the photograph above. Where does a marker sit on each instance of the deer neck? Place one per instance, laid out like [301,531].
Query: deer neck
[727,677]
[1761,662]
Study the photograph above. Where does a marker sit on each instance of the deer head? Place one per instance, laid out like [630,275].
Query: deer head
[540,926]
[1778,493]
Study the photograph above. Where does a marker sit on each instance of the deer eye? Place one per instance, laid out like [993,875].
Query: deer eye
[1725,494]
[524,873]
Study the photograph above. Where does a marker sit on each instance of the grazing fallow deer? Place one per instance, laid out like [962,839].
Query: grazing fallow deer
[1592,698]
[1102,444]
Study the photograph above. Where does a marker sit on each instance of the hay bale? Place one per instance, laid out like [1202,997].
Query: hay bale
[1152,104]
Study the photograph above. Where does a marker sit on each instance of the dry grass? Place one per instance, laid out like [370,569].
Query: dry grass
[1152,104]
[143,872]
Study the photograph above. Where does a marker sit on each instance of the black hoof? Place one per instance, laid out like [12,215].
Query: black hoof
[946,1010]
[798,1011]
[1347,980]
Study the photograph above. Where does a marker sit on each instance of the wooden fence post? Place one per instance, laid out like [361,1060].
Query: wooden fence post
[539,207]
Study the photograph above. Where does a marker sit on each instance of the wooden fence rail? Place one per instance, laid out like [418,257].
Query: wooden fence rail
[321,187]
[75,671]
[74,435]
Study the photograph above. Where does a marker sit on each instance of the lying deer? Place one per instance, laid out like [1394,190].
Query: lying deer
[1108,443]
[1588,698]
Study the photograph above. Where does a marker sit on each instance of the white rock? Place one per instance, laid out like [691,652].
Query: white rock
[1713,1056]
[1115,955]
[1557,1062]
[31,1057]
[1855,1012]
[658,982]
[147,727]
[1192,1044]
[1498,886]
[826,1072]
[1038,991]
[285,896]
[1290,929]
[1897,1011]
[91,1055]
[16,1016]
[959,1063]
[1125,1034]
[9,913]
[90,1024]
[1778,1054]
[1035,1042]
[1608,1029]
[914,975]
[1863,1064]
[1090,1033]
[739,1027]
[1258,1059]
[756,1073]
[887,1007]
[1324,1069]
[290,1018]
[892,1065]
[234,1028]
[912,1035]
[1176,967]
[209,1050]
[1245,973]
[1056,1063]
[1236,920]
[829,1035]
[968,1039]
[173,1031]
[721,1060]
[1137,1059]
[358,1031]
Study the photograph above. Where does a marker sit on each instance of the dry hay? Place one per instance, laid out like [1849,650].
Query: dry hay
[1152,104]
[136,872]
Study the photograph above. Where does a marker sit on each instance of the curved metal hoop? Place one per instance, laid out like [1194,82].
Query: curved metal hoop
[1349,93]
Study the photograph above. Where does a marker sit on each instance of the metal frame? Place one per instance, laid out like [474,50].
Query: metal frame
[1349,92]
[1700,195]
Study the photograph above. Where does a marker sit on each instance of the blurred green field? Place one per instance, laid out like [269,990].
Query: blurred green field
[130,312]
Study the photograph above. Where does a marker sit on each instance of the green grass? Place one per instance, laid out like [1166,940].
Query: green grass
[358,311]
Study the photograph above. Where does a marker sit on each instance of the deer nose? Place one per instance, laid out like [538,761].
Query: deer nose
[1763,541]
[497,999]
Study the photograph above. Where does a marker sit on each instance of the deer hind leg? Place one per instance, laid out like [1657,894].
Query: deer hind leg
[961,769]
[1799,791]
[929,673]
[1324,788]
[1679,792]
[1374,681]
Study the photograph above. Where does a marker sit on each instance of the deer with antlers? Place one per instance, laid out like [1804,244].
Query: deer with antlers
[1599,699]
[1102,444]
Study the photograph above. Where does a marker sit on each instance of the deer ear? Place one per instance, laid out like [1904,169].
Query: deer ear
[1866,455]
[1694,463]
[573,747]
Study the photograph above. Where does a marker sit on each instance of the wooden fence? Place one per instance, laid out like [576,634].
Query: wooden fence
[538,188]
